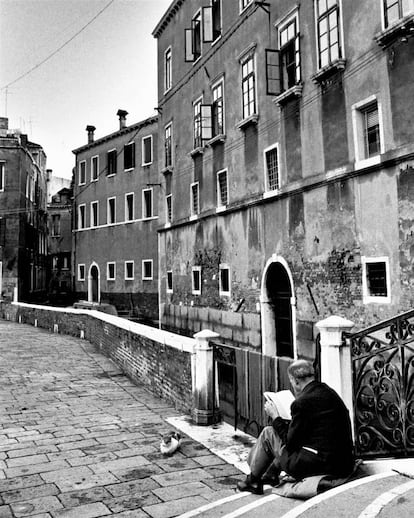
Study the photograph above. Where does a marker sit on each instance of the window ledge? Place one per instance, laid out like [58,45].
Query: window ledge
[218,139]
[197,151]
[271,193]
[253,119]
[167,225]
[194,217]
[397,30]
[128,169]
[167,170]
[221,208]
[293,91]
[325,72]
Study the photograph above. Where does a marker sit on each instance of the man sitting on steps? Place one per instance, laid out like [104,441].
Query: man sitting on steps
[317,441]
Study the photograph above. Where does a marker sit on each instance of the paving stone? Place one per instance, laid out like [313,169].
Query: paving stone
[125,502]
[222,470]
[27,461]
[119,464]
[21,495]
[219,484]
[84,496]
[84,511]
[87,483]
[135,513]
[76,444]
[209,460]
[176,463]
[5,512]
[101,448]
[36,468]
[92,459]
[35,450]
[183,491]
[20,482]
[65,455]
[78,473]
[175,507]
[132,487]
[182,477]
[138,450]
[36,506]
[119,437]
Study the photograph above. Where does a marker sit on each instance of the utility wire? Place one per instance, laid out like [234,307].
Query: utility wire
[35,67]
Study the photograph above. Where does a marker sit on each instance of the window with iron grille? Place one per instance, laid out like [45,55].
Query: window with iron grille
[167,69]
[129,270]
[329,44]
[169,281]
[94,168]
[196,280]
[55,225]
[147,270]
[272,168]
[217,109]
[168,145]
[248,87]
[394,10]
[289,53]
[82,172]
[195,201]
[110,271]
[147,150]
[147,203]
[111,214]
[129,155]
[198,140]
[129,206]
[222,189]
[111,160]
[168,201]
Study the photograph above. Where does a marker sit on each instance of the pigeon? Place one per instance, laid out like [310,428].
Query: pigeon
[170,443]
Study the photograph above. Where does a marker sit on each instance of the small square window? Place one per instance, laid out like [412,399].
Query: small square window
[129,156]
[271,157]
[82,172]
[129,270]
[369,142]
[111,162]
[196,280]
[81,272]
[110,271]
[147,150]
[169,281]
[376,284]
[147,270]
[224,279]
[94,168]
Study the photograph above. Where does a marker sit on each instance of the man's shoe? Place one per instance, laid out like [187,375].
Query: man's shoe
[271,480]
[252,486]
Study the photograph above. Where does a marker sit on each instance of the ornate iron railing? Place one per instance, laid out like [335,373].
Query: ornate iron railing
[383,386]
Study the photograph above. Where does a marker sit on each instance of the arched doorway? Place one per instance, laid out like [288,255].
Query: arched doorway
[278,310]
[94,291]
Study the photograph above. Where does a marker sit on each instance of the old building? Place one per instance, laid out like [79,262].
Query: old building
[59,211]
[115,236]
[286,151]
[23,221]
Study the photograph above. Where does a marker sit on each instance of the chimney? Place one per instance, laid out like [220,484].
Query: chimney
[23,140]
[122,118]
[90,130]
[48,174]
[4,126]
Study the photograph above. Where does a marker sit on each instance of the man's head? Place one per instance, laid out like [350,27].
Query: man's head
[301,373]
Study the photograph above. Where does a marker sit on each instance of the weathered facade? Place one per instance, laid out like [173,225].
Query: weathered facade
[59,211]
[23,219]
[115,235]
[287,151]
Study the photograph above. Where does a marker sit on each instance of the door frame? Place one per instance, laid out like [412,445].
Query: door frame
[90,281]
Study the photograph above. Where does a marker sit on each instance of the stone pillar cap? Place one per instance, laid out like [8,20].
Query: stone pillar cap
[335,322]
[206,333]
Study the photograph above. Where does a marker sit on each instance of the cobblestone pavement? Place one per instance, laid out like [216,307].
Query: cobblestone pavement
[79,439]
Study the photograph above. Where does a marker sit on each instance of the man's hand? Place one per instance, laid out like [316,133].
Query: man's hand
[271,410]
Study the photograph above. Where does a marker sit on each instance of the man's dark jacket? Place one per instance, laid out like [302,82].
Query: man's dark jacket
[320,421]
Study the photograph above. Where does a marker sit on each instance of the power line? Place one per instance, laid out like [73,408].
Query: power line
[35,67]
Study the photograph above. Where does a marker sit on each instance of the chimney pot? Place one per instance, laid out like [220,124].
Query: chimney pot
[90,130]
[4,126]
[122,118]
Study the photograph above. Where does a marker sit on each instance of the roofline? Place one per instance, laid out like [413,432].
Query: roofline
[168,15]
[110,136]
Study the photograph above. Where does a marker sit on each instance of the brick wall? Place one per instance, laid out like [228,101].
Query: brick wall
[155,358]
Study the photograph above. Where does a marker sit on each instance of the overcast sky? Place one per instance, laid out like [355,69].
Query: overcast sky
[111,64]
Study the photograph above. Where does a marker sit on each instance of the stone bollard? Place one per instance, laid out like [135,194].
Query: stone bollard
[205,404]
[336,367]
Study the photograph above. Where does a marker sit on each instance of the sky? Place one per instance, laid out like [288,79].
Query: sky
[53,83]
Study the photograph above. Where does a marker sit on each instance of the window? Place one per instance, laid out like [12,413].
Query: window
[129,270]
[248,87]
[394,10]
[224,280]
[217,109]
[82,172]
[129,206]
[329,44]
[244,4]
[129,156]
[168,202]
[94,168]
[193,39]
[111,160]
[147,203]
[196,280]
[111,211]
[195,201]
[169,282]
[367,130]
[222,189]
[147,150]
[110,271]
[55,231]
[147,270]
[271,161]
[168,145]
[94,213]
[65,263]
[2,169]
[212,21]
[198,141]
[81,272]
[167,69]
[376,283]
[81,216]
[289,54]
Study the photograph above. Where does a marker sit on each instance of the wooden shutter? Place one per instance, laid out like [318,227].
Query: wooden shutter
[273,83]
[206,121]
[189,52]
[208,29]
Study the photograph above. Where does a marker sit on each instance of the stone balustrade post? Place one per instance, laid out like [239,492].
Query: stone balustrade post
[336,366]
[205,400]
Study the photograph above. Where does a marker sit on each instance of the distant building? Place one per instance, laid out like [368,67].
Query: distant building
[287,154]
[56,183]
[23,218]
[116,218]
[60,247]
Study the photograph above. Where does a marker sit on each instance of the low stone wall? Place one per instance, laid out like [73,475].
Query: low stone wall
[156,358]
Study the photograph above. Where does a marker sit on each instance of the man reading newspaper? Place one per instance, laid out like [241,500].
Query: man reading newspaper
[316,441]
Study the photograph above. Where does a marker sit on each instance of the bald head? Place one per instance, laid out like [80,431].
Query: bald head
[301,370]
